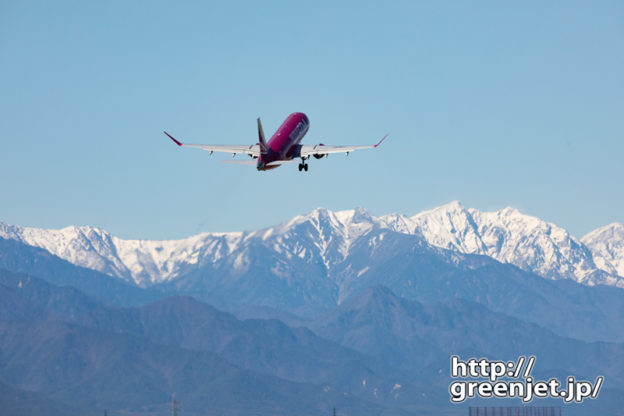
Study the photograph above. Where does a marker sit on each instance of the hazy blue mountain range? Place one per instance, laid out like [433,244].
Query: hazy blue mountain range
[409,334]
[20,257]
[73,350]
[312,263]
[412,334]
[107,370]
[20,402]
[350,310]
[263,345]
[59,342]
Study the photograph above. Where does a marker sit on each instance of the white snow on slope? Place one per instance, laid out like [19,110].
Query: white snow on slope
[505,235]
[512,237]
[607,245]
[141,261]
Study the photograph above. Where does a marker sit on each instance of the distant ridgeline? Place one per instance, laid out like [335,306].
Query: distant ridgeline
[331,238]
[351,311]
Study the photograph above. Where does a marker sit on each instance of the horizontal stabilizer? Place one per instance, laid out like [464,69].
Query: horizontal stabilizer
[255,163]
[282,162]
[241,162]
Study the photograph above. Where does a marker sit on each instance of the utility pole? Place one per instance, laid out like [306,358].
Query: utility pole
[174,406]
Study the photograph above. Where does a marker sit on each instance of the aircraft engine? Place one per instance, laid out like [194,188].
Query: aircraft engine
[316,155]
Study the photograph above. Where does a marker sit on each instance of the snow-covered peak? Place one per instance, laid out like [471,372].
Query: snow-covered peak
[141,261]
[85,246]
[322,218]
[354,216]
[331,233]
[450,226]
[151,261]
[607,245]
[317,216]
[399,223]
[335,218]
[321,235]
[509,236]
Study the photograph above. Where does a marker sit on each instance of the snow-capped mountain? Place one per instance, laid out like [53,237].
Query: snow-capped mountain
[607,245]
[525,241]
[325,239]
[142,261]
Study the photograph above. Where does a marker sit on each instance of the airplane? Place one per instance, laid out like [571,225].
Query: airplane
[282,148]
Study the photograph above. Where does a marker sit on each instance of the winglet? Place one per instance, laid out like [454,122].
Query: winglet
[382,139]
[171,137]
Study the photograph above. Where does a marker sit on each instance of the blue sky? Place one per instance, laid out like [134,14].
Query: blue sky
[491,103]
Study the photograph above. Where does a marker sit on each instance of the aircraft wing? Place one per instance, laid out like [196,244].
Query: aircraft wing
[252,150]
[321,149]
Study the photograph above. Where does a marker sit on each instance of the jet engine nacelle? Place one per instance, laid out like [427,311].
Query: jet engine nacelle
[316,155]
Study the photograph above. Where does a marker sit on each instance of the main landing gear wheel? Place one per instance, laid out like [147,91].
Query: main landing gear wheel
[303,166]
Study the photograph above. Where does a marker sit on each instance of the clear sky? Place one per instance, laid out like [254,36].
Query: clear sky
[490,103]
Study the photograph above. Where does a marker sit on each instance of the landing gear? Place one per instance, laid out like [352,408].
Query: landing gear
[303,165]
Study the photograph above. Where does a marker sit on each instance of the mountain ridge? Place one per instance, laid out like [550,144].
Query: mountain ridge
[172,342]
[68,347]
[505,235]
